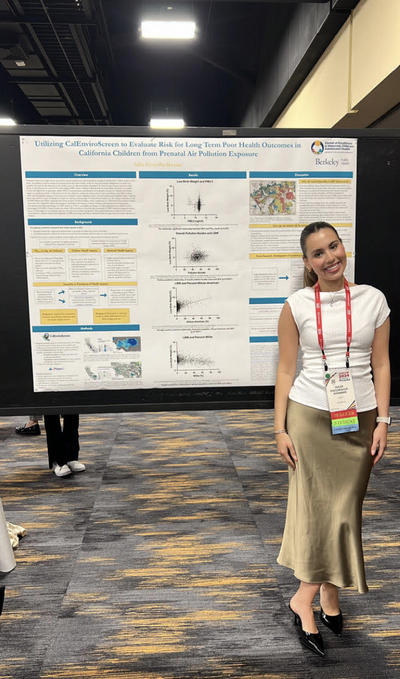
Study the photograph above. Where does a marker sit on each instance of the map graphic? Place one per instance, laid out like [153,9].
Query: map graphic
[90,345]
[120,371]
[127,370]
[272,198]
[127,343]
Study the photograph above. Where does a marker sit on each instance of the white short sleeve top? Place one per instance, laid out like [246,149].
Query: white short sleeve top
[369,310]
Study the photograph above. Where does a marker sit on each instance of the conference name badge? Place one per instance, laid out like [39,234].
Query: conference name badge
[342,401]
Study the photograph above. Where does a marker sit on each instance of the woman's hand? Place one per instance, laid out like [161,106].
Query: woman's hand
[379,440]
[286,449]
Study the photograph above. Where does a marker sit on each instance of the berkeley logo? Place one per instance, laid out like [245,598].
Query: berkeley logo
[326,161]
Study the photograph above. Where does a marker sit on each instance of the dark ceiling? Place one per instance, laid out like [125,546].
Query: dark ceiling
[207,82]
[86,63]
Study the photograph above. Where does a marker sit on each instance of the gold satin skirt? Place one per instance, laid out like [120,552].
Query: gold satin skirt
[322,537]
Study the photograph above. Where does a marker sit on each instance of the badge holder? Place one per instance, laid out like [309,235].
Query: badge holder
[342,402]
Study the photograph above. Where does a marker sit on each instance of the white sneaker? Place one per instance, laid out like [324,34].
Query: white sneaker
[76,466]
[61,471]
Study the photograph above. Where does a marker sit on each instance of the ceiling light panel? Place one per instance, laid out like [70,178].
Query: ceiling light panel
[167,123]
[168,30]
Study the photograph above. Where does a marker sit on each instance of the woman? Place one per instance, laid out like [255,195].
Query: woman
[329,472]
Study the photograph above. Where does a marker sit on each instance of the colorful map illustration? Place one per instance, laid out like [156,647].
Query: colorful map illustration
[127,343]
[121,371]
[272,198]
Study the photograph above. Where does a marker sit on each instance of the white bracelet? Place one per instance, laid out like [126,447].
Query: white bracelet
[280,431]
[386,420]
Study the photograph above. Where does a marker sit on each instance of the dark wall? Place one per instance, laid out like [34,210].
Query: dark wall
[377,232]
[302,34]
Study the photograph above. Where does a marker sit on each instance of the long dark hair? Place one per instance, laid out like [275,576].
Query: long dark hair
[310,277]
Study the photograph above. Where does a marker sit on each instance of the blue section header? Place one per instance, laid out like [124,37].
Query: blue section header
[267,300]
[80,175]
[84,328]
[300,175]
[83,222]
[192,175]
[273,338]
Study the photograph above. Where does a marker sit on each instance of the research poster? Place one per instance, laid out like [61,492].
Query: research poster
[165,262]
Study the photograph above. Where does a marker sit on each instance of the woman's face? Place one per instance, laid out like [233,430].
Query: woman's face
[325,255]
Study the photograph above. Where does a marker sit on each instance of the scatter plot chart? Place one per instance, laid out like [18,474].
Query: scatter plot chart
[193,358]
[189,202]
[197,204]
[187,254]
[196,255]
[188,303]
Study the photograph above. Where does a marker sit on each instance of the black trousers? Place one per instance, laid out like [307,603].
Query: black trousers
[2,590]
[62,443]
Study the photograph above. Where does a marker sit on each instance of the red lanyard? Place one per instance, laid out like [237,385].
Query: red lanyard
[349,330]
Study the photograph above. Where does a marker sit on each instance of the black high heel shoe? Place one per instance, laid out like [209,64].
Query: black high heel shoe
[332,622]
[314,642]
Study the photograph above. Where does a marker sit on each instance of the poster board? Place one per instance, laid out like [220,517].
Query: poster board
[196,213]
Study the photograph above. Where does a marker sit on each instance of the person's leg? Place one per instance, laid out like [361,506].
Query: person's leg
[2,592]
[71,442]
[329,598]
[301,603]
[55,441]
[71,436]
[330,613]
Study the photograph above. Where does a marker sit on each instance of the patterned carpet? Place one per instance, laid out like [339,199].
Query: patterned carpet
[159,562]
